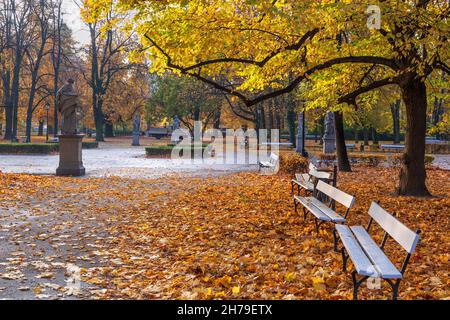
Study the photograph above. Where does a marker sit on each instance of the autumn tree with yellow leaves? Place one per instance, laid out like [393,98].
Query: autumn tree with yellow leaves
[280,43]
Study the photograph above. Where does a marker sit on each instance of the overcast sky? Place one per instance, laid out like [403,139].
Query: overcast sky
[73,19]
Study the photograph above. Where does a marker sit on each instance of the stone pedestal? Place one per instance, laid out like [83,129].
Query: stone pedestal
[135,141]
[70,155]
[329,138]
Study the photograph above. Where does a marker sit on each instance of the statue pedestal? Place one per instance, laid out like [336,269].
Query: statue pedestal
[329,145]
[135,141]
[70,155]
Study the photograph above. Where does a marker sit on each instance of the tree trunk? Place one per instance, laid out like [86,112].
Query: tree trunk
[41,128]
[216,124]
[356,136]
[412,173]
[366,136]
[109,129]
[99,120]
[290,118]
[395,111]
[374,136]
[341,149]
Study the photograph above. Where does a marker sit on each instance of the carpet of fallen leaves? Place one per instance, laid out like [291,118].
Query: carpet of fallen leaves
[234,236]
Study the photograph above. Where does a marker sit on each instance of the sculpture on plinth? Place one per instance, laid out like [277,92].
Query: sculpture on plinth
[68,106]
[70,142]
[136,129]
[329,137]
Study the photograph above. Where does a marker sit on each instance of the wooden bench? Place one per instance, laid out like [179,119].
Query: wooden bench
[322,212]
[350,146]
[271,164]
[396,147]
[369,259]
[307,181]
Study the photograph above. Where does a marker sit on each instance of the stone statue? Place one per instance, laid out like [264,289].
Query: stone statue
[329,137]
[176,123]
[68,106]
[136,129]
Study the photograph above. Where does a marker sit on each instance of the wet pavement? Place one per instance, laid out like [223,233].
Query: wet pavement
[122,161]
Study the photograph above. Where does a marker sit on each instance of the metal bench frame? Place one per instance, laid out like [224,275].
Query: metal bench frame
[394,283]
[330,205]
[313,178]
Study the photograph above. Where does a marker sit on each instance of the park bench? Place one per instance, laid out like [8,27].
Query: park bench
[278,144]
[322,212]
[271,164]
[392,147]
[350,146]
[307,181]
[369,259]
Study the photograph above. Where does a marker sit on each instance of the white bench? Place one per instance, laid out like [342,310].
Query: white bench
[306,181]
[322,212]
[271,164]
[396,147]
[369,259]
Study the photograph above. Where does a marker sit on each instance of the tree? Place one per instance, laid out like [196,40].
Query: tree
[189,99]
[106,59]
[35,53]
[269,41]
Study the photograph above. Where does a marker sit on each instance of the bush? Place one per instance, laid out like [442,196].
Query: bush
[397,159]
[165,151]
[372,160]
[369,159]
[292,163]
[28,148]
[89,144]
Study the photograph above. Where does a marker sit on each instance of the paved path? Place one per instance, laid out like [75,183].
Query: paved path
[119,160]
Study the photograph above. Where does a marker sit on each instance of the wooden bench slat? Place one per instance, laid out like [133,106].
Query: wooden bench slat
[362,264]
[307,203]
[380,261]
[328,211]
[336,194]
[398,231]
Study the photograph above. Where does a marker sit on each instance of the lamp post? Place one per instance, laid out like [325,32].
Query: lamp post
[46,108]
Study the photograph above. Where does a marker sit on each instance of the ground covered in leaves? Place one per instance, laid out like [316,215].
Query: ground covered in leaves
[235,236]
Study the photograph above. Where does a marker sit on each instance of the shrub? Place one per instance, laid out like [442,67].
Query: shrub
[165,151]
[372,160]
[89,144]
[396,160]
[28,148]
[292,163]
[369,159]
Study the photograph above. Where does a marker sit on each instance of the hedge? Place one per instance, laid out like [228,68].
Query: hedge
[166,151]
[28,148]
[38,148]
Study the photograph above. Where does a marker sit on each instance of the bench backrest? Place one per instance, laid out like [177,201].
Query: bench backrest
[273,158]
[398,231]
[319,174]
[334,193]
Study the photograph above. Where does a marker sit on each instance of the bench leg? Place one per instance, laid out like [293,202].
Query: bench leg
[394,286]
[295,206]
[292,188]
[318,224]
[344,260]
[335,240]
[356,284]
[305,213]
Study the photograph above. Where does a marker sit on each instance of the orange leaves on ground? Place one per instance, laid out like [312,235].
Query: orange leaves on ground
[235,236]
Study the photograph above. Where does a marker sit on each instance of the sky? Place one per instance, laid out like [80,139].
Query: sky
[73,19]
